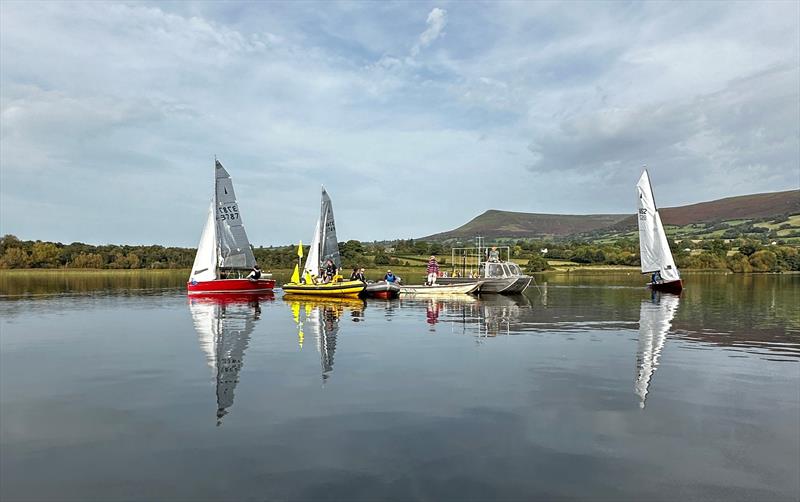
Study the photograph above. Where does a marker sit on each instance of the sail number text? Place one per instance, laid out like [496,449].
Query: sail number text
[230,212]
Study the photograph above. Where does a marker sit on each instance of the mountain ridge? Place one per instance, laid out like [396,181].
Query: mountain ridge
[495,223]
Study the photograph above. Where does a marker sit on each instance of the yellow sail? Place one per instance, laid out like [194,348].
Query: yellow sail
[300,249]
[296,275]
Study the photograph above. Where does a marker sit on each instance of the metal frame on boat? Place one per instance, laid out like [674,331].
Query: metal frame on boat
[497,275]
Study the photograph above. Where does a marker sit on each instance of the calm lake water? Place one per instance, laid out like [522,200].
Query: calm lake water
[587,387]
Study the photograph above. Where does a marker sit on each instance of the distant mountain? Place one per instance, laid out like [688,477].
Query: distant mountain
[495,224]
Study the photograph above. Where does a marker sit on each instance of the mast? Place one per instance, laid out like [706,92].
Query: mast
[216,221]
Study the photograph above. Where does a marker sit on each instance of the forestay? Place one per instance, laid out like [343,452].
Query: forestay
[233,246]
[330,244]
[653,245]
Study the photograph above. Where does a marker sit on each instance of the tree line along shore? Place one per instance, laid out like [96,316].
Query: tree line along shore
[736,255]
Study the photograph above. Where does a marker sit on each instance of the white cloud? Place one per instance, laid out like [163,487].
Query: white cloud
[110,105]
[437,20]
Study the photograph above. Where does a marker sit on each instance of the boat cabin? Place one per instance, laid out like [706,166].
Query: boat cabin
[484,261]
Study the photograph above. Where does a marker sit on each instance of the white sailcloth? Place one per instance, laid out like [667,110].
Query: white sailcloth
[329,242]
[655,321]
[653,245]
[234,247]
[312,260]
[205,261]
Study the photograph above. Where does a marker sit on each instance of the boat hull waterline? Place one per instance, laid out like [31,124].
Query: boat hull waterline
[498,285]
[674,287]
[223,286]
[346,289]
[455,289]
[382,290]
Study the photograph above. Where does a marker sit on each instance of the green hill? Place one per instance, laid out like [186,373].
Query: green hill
[757,213]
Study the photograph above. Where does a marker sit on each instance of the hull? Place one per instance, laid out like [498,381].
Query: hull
[223,286]
[345,289]
[382,290]
[455,289]
[674,287]
[494,285]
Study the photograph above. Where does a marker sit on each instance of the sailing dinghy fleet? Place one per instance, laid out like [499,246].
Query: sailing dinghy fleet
[224,255]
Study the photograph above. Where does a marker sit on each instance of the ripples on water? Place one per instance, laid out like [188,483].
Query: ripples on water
[587,387]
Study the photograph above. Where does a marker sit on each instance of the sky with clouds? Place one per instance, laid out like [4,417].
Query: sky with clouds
[415,116]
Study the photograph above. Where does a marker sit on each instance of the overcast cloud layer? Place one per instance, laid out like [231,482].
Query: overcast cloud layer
[416,117]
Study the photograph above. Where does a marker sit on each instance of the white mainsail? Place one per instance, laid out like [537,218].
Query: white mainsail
[312,261]
[655,320]
[329,245]
[205,261]
[233,246]
[653,245]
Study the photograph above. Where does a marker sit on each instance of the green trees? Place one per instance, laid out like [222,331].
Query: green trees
[87,260]
[45,255]
[15,258]
[537,263]
[764,261]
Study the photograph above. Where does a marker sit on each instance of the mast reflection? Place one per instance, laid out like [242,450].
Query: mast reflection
[322,321]
[655,321]
[224,324]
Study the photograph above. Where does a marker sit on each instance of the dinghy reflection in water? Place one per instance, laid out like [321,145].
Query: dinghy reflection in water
[655,320]
[224,324]
[322,322]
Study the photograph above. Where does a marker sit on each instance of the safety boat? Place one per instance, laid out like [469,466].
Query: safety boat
[383,290]
[491,265]
[224,256]
[324,247]
[656,257]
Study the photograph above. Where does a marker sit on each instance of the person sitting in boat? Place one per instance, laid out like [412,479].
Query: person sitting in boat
[656,277]
[255,274]
[330,270]
[358,275]
[433,271]
[494,255]
[390,277]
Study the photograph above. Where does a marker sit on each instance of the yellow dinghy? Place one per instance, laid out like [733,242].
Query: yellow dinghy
[341,289]
[324,249]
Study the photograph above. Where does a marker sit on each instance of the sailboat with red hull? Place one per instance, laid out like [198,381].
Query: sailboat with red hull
[224,255]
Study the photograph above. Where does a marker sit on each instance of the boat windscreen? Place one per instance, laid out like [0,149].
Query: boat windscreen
[514,269]
[494,270]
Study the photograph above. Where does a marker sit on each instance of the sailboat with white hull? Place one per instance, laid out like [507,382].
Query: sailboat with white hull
[224,249]
[656,257]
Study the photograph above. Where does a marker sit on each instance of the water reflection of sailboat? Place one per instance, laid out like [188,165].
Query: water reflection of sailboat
[655,320]
[322,318]
[224,325]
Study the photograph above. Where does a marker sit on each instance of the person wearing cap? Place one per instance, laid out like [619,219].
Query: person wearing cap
[389,277]
[433,271]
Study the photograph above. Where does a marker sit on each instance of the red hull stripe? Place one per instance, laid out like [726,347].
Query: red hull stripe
[231,285]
